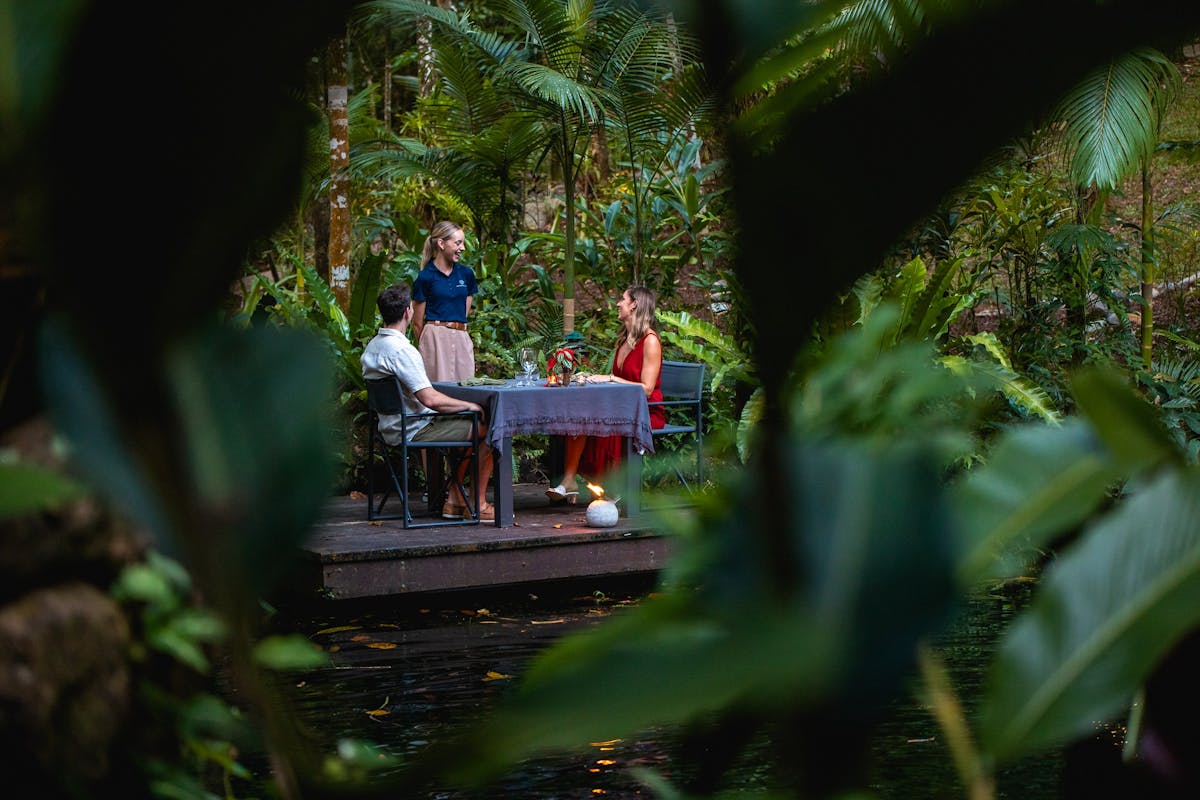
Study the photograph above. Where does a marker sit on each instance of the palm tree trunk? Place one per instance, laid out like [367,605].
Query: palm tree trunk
[1147,264]
[426,74]
[339,183]
[568,168]
[387,80]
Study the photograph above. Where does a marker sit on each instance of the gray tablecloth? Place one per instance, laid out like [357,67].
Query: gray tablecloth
[595,409]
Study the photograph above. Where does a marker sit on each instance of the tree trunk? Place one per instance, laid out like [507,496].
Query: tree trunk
[1148,260]
[387,81]
[339,183]
[568,170]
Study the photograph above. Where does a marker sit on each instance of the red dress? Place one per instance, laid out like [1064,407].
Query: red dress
[602,454]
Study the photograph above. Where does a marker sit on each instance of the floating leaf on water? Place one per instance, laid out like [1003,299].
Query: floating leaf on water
[337,629]
[362,637]
[547,621]
[382,645]
[379,712]
[496,676]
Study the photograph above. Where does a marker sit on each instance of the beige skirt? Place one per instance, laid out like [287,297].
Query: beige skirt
[449,355]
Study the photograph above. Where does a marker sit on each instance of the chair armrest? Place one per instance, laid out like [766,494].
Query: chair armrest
[436,414]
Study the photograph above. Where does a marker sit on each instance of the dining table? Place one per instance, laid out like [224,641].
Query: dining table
[595,409]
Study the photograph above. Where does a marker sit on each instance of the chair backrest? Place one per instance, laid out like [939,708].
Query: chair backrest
[383,396]
[682,379]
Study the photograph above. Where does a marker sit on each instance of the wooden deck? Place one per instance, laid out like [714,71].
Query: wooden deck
[349,557]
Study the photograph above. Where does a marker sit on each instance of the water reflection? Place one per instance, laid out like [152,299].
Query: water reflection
[406,675]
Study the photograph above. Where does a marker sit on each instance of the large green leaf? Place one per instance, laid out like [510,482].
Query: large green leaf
[256,413]
[663,665]
[1104,615]
[1039,482]
[866,539]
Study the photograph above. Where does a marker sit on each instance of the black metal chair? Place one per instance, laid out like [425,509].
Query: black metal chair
[683,390]
[384,397]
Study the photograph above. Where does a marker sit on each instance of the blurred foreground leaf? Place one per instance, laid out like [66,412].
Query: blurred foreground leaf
[1039,481]
[25,489]
[292,652]
[1104,615]
[867,532]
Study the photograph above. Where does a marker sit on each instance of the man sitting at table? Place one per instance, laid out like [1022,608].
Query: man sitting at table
[390,354]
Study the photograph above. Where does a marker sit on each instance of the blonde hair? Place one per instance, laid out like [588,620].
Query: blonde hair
[442,230]
[641,319]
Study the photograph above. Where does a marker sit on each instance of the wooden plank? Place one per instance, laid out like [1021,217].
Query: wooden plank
[486,569]
[348,557]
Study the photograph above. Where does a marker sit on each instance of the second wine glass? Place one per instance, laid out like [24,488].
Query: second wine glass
[528,359]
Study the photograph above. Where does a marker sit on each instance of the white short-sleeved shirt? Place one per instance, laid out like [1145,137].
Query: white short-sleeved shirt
[390,354]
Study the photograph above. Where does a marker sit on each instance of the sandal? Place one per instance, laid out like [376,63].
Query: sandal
[560,493]
[453,511]
[487,514]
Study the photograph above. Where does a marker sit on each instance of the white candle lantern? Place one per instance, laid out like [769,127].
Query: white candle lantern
[601,512]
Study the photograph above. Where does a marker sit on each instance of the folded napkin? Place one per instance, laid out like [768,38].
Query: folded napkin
[483,382]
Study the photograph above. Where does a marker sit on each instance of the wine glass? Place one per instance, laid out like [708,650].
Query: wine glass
[528,358]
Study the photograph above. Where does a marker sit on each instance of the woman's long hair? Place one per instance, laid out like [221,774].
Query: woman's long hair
[641,319]
[442,230]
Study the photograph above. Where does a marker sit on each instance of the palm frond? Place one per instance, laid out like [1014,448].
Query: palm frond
[1111,118]
[474,107]
[557,89]
[405,12]
[552,27]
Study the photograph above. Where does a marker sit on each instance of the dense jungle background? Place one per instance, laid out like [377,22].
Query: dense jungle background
[939,257]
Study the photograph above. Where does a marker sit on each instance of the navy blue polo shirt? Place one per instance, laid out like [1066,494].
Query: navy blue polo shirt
[445,296]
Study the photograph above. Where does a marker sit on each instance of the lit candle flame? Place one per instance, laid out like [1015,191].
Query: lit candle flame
[596,489]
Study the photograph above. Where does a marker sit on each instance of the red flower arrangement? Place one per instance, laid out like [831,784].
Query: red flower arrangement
[560,365]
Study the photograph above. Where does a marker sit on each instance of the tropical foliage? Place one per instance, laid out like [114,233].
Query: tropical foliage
[892,456]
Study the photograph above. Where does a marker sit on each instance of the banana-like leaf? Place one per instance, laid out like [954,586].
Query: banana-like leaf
[1038,482]
[662,665]
[1106,612]
[867,529]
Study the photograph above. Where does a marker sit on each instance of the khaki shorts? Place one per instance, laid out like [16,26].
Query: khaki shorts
[445,429]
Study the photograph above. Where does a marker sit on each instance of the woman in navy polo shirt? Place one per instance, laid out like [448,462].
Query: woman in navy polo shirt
[441,302]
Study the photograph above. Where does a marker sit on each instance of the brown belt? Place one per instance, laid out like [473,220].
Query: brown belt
[457,326]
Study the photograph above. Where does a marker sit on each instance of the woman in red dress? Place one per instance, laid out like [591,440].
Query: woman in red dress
[638,360]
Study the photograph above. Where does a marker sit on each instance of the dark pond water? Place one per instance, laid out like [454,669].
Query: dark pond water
[433,667]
